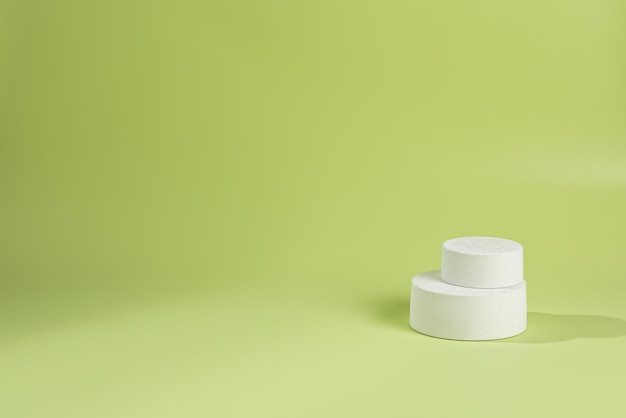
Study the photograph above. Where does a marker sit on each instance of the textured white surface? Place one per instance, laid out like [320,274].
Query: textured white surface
[442,310]
[482,262]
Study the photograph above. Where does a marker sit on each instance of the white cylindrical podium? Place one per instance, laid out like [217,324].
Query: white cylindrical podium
[442,310]
[482,262]
[479,294]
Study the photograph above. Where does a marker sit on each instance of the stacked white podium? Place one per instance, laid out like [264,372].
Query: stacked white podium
[479,293]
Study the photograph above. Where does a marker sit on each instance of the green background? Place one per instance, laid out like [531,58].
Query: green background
[214,209]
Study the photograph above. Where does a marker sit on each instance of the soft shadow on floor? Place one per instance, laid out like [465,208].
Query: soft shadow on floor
[542,327]
[392,312]
[553,328]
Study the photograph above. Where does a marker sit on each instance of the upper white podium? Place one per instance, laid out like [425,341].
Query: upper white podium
[482,262]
